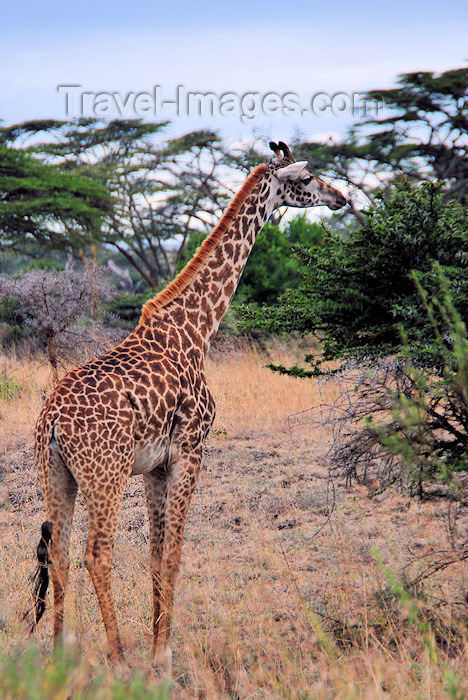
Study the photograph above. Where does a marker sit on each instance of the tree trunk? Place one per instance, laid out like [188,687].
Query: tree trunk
[52,355]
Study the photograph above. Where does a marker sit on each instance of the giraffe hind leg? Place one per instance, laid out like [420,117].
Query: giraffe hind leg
[52,552]
[180,488]
[62,495]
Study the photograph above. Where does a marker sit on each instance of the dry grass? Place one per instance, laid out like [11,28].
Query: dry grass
[275,599]
[249,396]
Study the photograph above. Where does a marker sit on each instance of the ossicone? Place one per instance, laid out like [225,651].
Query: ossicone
[285,149]
[276,149]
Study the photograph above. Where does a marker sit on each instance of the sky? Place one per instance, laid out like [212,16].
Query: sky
[246,50]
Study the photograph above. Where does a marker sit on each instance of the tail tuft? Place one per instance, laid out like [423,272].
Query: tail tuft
[40,577]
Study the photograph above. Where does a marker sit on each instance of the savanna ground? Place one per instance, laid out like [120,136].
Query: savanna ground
[289,585]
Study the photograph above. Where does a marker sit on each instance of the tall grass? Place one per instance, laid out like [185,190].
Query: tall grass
[250,396]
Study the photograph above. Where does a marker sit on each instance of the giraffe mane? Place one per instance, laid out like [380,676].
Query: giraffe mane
[185,276]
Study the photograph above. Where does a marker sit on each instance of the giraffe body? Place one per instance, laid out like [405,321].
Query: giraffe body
[145,407]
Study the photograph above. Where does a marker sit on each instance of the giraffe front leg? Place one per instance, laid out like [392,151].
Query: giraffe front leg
[179,489]
[156,483]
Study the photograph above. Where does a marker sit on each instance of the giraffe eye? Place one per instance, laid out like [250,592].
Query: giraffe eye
[306,180]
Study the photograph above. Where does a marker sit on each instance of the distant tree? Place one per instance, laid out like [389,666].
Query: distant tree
[162,189]
[421,132]
[52,302]
[44,205]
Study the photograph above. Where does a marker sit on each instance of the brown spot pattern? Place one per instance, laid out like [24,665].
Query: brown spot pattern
[145,407]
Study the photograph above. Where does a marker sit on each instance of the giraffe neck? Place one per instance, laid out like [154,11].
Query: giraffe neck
[200,301]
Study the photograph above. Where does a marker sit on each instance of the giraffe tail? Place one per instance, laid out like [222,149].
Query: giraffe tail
[40,578]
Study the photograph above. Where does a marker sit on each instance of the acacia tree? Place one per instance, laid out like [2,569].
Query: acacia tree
[420,132]
[44,205]
[162,189]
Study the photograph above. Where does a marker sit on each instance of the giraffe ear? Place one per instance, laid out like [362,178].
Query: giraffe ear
[292,171]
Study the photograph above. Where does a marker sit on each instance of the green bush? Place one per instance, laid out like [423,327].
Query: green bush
[392,296]
[14,322]
[42,264]
[357,289]
[428,429]
[124,310]
[406,425]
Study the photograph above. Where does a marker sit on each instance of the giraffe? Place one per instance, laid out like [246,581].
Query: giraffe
[145,408]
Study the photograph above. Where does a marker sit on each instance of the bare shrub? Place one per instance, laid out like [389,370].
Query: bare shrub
[61,309]
[366,398]
[393,425]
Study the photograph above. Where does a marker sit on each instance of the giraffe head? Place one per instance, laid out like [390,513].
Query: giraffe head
[299,186]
